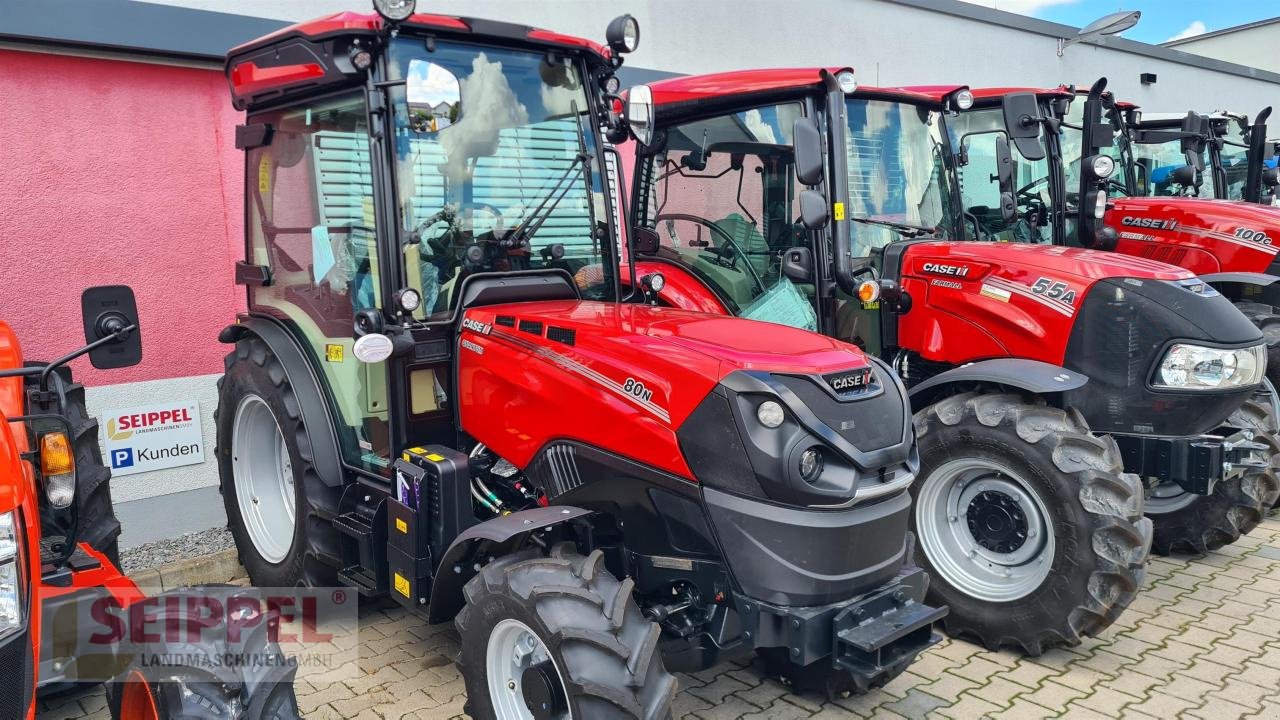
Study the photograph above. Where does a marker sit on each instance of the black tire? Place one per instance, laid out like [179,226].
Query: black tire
[604,648]
[313,559]
[1267,319]
[96,516]
[1236,506]
[190,678]
[1101,540]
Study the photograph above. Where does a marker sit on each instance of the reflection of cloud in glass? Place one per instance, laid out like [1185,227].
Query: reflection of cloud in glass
[489,105]
[430,84]
[760,130]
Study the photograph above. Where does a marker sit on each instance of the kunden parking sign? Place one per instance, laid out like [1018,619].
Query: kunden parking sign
[154,437]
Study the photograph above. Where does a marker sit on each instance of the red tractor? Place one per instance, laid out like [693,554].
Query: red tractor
[60,580]
[1018,358]
[436,393]
[1089,176]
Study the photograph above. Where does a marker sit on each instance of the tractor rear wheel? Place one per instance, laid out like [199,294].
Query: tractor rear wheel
[1197,524]
[559,636]
[1267,319]
[190,675]
[278,508]
[1029,528]
[96,518]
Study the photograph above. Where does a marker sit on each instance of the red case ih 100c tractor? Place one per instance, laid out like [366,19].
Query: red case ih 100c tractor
[435,393]
[1015,355]
[60,581]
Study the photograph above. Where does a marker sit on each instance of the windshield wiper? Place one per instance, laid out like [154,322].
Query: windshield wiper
[904,229]
[531,224]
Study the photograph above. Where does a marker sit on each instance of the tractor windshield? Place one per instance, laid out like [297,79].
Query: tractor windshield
[895,155]
[722,197]
[496,168]
[975,134]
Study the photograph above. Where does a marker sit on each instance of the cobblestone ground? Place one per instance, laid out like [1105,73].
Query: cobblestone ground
[1202,641]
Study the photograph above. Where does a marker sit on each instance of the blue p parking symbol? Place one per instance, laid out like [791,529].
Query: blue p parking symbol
[121,458]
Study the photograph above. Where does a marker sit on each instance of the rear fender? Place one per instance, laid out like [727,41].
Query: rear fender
[326,455]
[1032,376]
[492,538]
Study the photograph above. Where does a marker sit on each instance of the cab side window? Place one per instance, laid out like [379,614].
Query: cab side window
[311,223]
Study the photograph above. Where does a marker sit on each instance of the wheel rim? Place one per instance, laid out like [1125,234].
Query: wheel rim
[136,702]
[264,480]
[520,668]
[1166,497]
[984,529]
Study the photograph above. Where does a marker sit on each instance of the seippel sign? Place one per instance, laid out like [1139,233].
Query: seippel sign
[154,437]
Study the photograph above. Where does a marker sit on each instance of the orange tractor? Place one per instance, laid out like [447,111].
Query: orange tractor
[64,602]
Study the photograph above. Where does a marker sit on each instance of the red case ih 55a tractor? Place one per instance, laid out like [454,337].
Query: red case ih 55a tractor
[1015,355]
[435,393]
[60,580]
[1075,182]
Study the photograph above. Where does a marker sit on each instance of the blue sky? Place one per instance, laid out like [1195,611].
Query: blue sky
[1161,19]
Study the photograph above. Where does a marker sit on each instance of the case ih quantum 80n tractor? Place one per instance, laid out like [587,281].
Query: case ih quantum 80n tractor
[59,558]
[1015,355]
[435,393]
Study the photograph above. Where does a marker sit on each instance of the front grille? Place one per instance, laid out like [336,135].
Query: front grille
[868,424]
[531,327]
[561,335]
[15,697]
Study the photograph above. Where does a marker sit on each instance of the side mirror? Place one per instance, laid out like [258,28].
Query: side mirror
[807,141]
[1193,137]
[644,241]
[640,114]
[815,212]
[1186,176]
[1022,124]
[797,264]
[111,310]
[435,97]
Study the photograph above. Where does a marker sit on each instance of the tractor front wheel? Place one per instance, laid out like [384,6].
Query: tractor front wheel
[96,515]
[1029,528]
[279,510]
[559,637]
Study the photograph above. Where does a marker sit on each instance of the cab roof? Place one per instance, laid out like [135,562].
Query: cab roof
[356,23]
[726,87]
[311,57]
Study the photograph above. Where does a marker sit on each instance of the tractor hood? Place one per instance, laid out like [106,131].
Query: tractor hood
[1204,235]
[623,377]
[1066,263]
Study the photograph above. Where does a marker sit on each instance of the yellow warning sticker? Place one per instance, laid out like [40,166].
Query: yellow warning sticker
[837,211]
[264,174]
[333,352]
[402,585]
[402,526]
[433,457]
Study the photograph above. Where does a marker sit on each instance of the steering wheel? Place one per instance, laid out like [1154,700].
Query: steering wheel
[978,226]
[451,216]
[1025,190]
[729,242]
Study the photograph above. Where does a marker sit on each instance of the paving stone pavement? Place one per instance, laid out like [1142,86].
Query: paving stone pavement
[1202,641]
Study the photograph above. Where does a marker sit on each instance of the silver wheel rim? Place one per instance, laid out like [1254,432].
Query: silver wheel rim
[263,478]
[514,648]
[1166,497]
[969,491]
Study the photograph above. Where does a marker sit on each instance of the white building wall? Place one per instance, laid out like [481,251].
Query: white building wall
[1258,47]
[889,43]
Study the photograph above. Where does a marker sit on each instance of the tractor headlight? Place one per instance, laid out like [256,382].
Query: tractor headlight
[1194,367]
[964,99]
[58,469]
[623,34]
[395,10]
[847,81]
[10,590]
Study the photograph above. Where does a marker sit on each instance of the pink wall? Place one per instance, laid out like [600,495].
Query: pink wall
[119,173]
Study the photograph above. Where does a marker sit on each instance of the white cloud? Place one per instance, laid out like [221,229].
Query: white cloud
[1195,28]
[1022,7]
